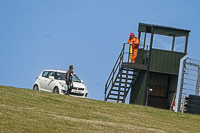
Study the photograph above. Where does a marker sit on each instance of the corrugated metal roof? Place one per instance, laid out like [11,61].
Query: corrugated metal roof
[166,27]
[163,30]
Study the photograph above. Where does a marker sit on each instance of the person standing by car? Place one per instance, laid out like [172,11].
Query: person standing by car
[69,78]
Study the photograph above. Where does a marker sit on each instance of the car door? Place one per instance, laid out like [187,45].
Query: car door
[43,79]
[50,83]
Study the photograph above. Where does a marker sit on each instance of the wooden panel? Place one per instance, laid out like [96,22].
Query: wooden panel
[157,102]
[158,91]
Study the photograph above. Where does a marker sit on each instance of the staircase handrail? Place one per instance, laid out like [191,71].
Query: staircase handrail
[117,65]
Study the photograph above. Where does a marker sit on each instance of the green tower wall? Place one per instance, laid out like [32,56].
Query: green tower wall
[138,90]
[163,62]
[167,62]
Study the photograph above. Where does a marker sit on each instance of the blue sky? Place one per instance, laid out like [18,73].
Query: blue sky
[47,34]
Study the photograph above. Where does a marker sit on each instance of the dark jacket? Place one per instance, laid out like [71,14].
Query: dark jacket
[69,78]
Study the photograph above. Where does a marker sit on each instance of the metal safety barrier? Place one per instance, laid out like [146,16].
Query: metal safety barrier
[188,81]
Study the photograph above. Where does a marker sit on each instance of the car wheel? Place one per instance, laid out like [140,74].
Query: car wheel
[56,90]
[36,87]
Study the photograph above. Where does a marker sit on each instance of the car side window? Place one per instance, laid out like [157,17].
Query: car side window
[52,74]
[61,76]
[45,74]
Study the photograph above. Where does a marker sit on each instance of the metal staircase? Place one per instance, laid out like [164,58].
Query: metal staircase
[123,75]
[122,84]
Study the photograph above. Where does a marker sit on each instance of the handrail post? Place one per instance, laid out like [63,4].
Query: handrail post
[129,53]
[122,58]
[105,92]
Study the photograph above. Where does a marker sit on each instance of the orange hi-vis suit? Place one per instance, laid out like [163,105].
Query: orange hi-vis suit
[134,41]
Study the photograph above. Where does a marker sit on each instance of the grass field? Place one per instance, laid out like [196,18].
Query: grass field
[25,110]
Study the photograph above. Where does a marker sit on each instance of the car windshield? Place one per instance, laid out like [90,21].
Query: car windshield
[61,76]
[75,78]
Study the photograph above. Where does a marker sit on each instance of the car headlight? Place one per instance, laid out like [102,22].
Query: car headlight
[63,84]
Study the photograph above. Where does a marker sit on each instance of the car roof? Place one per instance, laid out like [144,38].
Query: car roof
[62,71]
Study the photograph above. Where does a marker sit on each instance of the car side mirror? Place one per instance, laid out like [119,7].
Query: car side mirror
[51,77]
[81,81]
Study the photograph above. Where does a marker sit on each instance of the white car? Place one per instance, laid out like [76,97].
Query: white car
[54,81]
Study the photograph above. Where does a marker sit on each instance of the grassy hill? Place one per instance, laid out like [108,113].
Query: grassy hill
[25,110]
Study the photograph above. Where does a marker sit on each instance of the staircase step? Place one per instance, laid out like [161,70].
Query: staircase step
[135,71]
[129,81]
[129,74]
[123,87]
[130,69]
[116,90]
[122,82]
[116,95]
[114,99]
[120,86]
[128,78]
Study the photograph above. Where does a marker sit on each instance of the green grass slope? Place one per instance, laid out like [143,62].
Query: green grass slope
[25,110]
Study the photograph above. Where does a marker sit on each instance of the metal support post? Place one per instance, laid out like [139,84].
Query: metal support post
[150,51]
[198,81]
[186,43]
[173,43]
[144,40]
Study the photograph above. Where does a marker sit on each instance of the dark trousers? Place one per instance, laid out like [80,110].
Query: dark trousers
[70,87]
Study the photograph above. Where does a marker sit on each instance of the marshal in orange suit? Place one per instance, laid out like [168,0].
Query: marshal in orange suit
[134,41]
